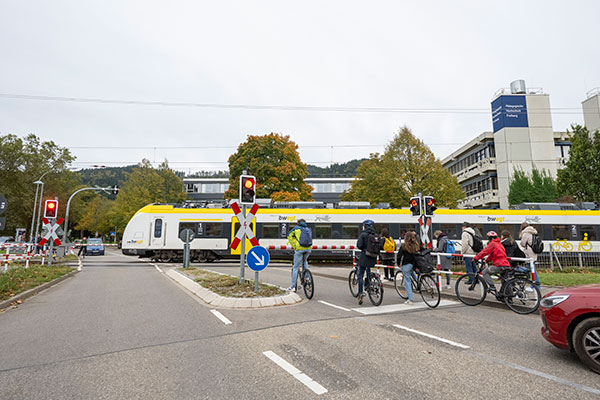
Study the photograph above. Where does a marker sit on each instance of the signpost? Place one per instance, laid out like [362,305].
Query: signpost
[244,231]
[186,236]
[52,229]
[258,259]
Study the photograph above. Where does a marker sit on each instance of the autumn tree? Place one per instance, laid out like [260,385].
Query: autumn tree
[581,176]
[95,218]
[539,187]
[275,162]
[407,167]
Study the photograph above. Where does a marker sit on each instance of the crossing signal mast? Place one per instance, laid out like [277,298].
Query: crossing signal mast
[247,189]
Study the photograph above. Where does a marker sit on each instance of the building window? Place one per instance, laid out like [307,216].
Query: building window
[321,187]
[190,188]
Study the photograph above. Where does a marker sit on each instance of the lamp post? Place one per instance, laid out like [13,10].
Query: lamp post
[39,182]
[64,239]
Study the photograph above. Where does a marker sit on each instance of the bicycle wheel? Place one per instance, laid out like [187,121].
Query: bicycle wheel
[353,283]
[308,284]
[521,295]
[399,284]
[472,293]
[375,290]
[430,292]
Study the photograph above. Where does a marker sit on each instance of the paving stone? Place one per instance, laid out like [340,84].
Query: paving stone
[256,302]
[228,302]
[267,301]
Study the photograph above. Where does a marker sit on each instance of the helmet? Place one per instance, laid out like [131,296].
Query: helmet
[368,222]
[492,234]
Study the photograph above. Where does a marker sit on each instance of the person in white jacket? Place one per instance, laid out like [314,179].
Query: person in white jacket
[466,247]
[526,235]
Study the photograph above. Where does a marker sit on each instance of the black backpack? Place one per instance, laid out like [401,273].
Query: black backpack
[424,261]
[477,243]
[536,244]
[374,245]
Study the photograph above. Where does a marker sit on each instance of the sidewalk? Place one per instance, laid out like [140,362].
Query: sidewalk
[342,272]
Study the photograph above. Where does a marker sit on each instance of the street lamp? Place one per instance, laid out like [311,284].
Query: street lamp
[37,183]
[64,239]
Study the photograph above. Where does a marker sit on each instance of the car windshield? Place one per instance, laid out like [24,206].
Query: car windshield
[95,241]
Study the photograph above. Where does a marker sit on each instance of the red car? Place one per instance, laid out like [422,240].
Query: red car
[571,319]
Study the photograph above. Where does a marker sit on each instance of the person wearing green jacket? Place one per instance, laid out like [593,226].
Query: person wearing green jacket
[301,253]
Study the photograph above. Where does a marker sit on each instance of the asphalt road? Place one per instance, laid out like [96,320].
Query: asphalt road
[121,329]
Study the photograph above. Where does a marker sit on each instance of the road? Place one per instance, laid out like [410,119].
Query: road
[122,329]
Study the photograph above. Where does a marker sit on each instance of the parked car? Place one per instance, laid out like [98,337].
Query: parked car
[94,246]
[571,319]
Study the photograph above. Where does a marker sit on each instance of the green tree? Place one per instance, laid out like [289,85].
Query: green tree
[406,167]
[94,219]
[540,187]
[22,162]
[581,176]
[145,185]
[275,162]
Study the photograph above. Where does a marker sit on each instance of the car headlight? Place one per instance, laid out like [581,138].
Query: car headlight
[551,301]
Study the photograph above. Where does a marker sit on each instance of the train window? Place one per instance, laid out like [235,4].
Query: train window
[188,225]
[405,228]
[213,229]
[379,227]
[270,231]
[479,231]
[450,230]
[560,232]
[589,231]
[349,231]
[157,228]
[506,227]
[322,231]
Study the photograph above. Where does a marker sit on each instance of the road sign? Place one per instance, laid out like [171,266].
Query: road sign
[186,235]
[258,258]
[245,224]
[3,204]
[2,223]
[52,229]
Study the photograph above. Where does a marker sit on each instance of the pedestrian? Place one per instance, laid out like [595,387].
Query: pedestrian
[441,247]
[82,248]
[467,239]
[512,248]
[300,238]
[496,255]
[388,256]
[406,255]
[365,261]
[526,235]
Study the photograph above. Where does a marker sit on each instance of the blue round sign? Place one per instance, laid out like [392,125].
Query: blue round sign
[258,258]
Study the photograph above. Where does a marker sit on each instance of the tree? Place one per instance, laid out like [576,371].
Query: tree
[95,217]
[275,162]
[145,185]
[540,187]
[407,167]
[581,176]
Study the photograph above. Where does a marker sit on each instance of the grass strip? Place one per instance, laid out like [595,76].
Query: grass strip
[17,280]
[229,286]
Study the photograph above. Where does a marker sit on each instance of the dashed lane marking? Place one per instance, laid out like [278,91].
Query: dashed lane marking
[450,342]
[400,307]
[296,373]
[334,306]
[221,317]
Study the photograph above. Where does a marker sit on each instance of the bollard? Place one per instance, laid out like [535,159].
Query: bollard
[439,267]
[7,255]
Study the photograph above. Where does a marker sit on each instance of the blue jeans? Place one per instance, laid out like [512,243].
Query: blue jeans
[361,280]
[300,257]
[408,273]
[470,266]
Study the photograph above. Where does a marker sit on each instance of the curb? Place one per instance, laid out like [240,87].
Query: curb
[33,291]
[231,302]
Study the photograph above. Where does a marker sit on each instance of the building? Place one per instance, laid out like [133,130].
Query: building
[591,110]
[522,139]
[326,190]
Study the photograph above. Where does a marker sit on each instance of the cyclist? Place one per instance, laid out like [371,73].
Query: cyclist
[301,253]
[497,255]
[365,262]
[406,255]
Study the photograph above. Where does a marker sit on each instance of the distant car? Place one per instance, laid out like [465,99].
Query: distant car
[94,246]
[571,319]
[4,239]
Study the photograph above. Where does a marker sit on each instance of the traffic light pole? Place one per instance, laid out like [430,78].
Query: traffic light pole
[243,250]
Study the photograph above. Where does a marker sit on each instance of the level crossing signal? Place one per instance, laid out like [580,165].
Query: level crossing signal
[430,206]
[415,206]
[247,189]
[51,209]
[115,190]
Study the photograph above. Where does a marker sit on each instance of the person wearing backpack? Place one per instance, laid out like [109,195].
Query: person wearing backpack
[467,241]
[512,248]
[444,245]
[368,254]
[528,234]
[407,256]
[387,258]
[300,238]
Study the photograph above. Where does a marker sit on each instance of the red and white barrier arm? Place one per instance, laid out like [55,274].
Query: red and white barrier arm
[335,247]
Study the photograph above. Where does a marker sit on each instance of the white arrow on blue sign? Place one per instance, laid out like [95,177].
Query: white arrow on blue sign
[258,258]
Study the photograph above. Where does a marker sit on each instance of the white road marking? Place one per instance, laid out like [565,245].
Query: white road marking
[295,372]
[450,342]
[334,306]
[221,317]
[400,307]
[158,268]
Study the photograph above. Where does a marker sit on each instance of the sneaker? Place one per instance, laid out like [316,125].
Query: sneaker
[408,303]
[361,298]
[529,289]
[448,287]
[291,288]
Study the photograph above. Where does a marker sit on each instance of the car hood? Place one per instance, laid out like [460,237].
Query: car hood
[593,289]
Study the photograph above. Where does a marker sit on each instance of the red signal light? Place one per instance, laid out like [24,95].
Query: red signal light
[249,183]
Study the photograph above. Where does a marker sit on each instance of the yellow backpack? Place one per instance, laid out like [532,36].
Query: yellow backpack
[389,245]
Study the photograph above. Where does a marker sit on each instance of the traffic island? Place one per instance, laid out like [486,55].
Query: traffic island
[222,290]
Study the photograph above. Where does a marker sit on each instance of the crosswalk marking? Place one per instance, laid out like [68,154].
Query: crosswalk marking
[399,307]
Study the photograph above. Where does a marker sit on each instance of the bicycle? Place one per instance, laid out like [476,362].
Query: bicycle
[424,284]
[373,286]
[306,280]
[517,291]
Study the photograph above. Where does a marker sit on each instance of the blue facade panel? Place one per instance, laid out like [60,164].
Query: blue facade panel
[509,112]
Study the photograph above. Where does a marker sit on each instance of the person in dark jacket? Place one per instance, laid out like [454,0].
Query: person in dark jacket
[406,255]
[445,262]
[365,262]
[496,255]
[511,247]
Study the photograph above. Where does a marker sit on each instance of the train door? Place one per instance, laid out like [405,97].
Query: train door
[235,225]
[157,232]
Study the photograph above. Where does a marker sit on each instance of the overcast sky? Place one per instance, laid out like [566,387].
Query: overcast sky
[340,54]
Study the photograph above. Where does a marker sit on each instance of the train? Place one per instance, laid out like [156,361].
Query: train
[154,230]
